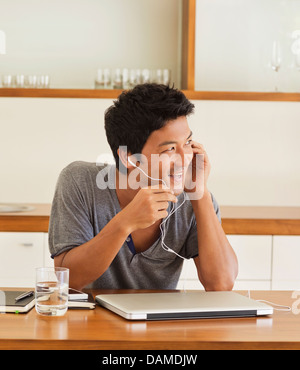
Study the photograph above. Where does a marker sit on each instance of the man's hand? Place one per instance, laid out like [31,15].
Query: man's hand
[148,206]
[197,173]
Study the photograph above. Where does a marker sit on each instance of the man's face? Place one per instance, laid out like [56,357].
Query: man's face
[169,153]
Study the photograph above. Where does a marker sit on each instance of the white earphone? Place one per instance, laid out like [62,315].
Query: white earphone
[162,225]
[152,178]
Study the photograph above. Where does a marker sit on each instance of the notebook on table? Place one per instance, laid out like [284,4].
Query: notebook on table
[8,303]
[81,301]
[182,305]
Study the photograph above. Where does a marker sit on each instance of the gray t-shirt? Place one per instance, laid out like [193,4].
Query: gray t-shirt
[85,201]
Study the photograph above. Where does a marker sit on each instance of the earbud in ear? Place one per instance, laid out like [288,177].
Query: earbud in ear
[130,161]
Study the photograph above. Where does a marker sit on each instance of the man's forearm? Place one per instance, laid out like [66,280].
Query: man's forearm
[91,259]
[216,263]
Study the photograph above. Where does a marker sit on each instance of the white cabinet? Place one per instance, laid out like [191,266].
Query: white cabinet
[254,253]
[286,263]
[48,261]
[265,261]
[21,253]
[189,277]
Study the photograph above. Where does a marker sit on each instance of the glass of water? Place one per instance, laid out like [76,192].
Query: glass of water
[51,291]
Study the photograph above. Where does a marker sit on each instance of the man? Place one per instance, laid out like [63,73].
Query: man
[116,230]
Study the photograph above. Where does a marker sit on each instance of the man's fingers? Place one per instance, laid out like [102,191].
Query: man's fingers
[158,189]
[198,148]
[162,214]
[162,206]
[165,197]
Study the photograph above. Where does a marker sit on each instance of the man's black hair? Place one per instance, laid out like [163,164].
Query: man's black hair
[140,111]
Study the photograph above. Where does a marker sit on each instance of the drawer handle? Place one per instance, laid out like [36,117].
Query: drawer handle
[27,244]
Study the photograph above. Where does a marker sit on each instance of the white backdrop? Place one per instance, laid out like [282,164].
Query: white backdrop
[253,147]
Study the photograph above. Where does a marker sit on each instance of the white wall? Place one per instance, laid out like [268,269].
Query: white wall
[253,147]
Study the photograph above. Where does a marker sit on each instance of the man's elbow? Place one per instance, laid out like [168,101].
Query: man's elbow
[223,282]
[219,285]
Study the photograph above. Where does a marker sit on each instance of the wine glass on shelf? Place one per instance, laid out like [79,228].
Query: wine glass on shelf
[276,61]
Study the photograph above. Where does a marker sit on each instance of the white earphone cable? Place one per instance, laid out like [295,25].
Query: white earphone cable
[152,178]
[172,211]
[276,306]
[162,229]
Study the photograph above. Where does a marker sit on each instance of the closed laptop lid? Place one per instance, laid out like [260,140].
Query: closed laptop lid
[182,305]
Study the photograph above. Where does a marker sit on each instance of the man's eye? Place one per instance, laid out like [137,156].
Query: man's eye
[188,142]
[170,149]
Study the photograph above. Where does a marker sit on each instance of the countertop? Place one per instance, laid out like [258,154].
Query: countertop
[239,220]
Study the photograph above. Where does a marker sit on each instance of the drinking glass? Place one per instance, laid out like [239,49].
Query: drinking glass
[43,81]
[30,81]
[20,81]
[158,76]
[117,81]
[166,76]
[103,79]
[132,78]
[125,79]
[51,291]
[138,75]
[107,78]
[99,81]
[145,75]
[7,81]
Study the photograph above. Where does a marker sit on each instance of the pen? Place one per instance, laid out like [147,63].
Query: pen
[24,295]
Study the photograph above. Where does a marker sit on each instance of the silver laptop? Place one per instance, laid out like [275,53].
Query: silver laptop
[182,305]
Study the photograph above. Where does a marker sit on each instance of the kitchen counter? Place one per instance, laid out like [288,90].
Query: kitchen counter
[238,220]
[36,220]
[242,220]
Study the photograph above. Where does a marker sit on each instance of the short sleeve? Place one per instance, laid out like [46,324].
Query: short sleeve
[70,224]
[216,207]
[192,239]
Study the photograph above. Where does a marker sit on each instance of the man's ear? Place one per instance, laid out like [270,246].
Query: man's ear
[123,156]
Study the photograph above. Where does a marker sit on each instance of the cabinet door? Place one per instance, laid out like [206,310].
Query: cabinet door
[254,254]
[252,285]
[20,254]
[189,277]
[48,261]
[286,263]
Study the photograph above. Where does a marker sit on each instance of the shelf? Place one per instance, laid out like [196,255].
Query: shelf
[113,94]
[243,96]
[59,93]
[187,76]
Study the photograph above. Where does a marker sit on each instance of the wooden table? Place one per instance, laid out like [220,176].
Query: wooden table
[102,329]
